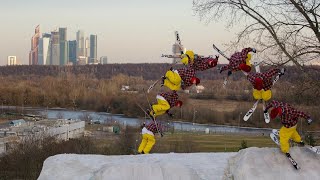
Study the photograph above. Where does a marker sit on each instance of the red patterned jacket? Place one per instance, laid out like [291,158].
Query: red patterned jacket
[236,59]
[267,78]
[171,97]
[153,128]
[290,116]
[201,64]
[186,74]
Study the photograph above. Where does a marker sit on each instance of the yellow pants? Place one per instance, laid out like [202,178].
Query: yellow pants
[161,107]
[147,143]
[262,94]
[173,80]
[288,133]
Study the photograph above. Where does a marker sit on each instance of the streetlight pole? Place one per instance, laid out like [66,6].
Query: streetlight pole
[194,115]
[239,119]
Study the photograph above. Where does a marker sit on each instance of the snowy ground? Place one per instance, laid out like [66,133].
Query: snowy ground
[251,163]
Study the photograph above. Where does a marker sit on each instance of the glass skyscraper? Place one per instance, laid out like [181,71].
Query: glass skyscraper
[55,48]
[93,48]
[63,46]
[72,51]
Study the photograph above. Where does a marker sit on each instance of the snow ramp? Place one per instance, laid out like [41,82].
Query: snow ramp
[172,166]
[249,164]
[270,164]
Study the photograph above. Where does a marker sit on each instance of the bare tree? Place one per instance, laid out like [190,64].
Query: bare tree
[283,31]
[286,29]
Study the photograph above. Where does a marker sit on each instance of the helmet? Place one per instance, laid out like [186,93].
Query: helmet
[245,67]
[178,103]
[275,112]
[258,83]
[212,62]
[195,80]
[189,55]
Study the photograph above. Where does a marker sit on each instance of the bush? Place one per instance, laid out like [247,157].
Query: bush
[243,145]
[310,140]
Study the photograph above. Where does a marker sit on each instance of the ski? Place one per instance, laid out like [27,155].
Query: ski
[152,85]
[151,118]
[293,162]
[179,41]
[275,132]
[274,138]
[277,77]
[220,52]
[314,149]
[225,81]
[266,114]
[250,112]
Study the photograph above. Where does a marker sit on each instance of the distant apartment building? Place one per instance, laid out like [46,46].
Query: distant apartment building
[44,50]
[72,51]
[82,60]
[93,49]
[12,60]
[55,48]
[80,44]
[33,54]
[103,59]
[63,43]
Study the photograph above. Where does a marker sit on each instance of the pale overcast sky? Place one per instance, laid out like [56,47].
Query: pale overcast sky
[129,31]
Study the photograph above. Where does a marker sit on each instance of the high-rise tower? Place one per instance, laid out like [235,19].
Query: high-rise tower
[93,49]
[33,54]
[63,46]
[44,51]
[55,48]
[80,43]
[72,51]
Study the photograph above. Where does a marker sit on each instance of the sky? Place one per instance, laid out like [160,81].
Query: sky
[248,164]
[128,31]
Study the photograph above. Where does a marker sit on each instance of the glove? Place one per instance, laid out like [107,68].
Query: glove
[254,50]
[309,121]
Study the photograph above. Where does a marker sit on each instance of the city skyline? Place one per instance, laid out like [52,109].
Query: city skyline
[128,32]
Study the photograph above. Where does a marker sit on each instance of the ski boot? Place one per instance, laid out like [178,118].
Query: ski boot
[288,155]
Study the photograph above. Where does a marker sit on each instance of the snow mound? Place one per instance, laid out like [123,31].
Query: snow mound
[172,166]
[271,163]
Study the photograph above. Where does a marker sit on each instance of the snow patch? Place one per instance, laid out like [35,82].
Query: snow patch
[172,166]
[271,163]
[248,164]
